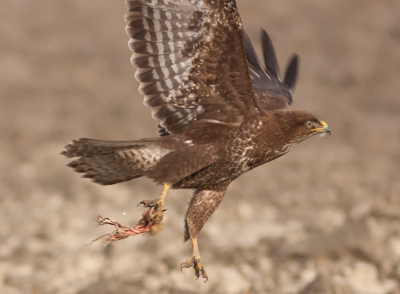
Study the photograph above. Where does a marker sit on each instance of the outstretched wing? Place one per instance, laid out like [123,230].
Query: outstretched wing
[271,92]
[191,61]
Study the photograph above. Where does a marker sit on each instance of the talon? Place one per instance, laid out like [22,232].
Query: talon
[155,203]
[198,266]
[188,263]
[148,203]
[204,275]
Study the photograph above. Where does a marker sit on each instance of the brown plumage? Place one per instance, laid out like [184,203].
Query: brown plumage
[221,113]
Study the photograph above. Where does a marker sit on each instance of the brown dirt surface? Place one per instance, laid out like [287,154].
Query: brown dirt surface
[323,219]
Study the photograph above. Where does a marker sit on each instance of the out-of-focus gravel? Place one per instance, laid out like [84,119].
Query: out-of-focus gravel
[323,219]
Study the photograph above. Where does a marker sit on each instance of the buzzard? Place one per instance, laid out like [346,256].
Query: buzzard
[220,112]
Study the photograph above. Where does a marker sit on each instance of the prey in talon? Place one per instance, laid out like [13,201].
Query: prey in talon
[221,112]
[147,224]
[152,221]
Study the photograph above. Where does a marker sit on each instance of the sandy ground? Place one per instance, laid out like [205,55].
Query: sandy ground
[323,219]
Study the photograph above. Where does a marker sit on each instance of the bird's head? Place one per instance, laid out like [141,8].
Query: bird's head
[300,125]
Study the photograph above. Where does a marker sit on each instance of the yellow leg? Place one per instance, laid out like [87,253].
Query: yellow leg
[158,208]
[157,212]
[196,251]
[164,193]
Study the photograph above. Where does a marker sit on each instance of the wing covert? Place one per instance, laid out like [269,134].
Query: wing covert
[190,60]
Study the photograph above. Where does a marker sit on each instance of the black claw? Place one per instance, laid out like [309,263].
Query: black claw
[204,275]
[185,265]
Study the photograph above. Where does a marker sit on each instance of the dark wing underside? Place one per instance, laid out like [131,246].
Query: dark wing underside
[271,92]
[191,61]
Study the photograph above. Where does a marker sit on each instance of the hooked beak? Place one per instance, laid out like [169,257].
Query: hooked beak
[323,129]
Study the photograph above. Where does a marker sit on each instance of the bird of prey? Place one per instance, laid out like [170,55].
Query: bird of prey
[220,112]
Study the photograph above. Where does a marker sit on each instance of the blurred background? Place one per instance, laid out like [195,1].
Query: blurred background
[323,219]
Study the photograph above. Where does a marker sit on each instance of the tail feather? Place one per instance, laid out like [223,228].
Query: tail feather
[111,162]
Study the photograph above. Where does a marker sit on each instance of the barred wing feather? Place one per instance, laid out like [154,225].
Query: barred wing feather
[191,61]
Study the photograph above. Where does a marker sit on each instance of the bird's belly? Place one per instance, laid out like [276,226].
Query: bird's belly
[218,174]
[236,160]
[221,173]
[211,177]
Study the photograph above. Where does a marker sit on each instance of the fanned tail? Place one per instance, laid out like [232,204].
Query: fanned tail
[111,162]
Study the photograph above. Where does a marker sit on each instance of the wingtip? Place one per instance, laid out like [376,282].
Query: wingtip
[251,53]
[291,73]
[269,55]
[67,148]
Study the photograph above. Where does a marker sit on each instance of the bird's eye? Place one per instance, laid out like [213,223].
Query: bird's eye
[309,124]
